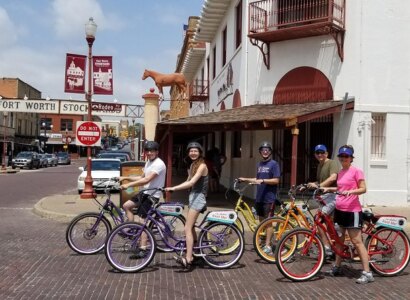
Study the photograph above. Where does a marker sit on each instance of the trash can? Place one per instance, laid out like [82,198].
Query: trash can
[130,168]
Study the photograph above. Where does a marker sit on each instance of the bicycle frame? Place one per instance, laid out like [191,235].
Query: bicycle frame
[242,207]
[347,251]
[163,228]
[109,207]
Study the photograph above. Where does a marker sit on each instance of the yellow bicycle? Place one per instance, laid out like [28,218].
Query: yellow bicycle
[243,209]
[270,231]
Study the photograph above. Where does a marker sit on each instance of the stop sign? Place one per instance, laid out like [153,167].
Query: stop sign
[88,134]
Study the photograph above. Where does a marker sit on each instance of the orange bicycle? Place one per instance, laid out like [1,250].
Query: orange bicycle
[271,230]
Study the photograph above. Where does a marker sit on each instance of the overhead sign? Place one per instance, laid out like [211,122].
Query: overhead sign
[88,133]
[62,107]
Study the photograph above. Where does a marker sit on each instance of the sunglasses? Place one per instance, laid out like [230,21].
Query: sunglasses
[320,152]
[343,156]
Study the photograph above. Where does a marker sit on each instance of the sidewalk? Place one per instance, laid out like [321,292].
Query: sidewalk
[9,170]
[64,208]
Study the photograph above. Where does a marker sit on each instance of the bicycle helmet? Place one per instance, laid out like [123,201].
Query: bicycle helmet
[265,145]
[151,145]
[194,145]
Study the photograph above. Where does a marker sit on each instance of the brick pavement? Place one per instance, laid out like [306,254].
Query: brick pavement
[37,264]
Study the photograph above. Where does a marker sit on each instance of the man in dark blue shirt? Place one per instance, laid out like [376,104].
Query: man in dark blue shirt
[267,180]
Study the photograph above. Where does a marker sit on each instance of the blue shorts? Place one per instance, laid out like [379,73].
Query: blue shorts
[197,201]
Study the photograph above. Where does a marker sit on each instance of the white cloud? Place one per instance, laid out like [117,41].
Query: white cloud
[8,29]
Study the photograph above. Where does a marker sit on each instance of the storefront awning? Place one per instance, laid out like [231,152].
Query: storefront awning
[254,117]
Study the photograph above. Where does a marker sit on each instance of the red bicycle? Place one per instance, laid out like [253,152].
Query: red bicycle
[300,253]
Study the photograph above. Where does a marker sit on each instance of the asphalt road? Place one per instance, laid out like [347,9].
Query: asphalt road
[36,263]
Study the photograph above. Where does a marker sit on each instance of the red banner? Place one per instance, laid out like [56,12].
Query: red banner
[75,73]
[102,75]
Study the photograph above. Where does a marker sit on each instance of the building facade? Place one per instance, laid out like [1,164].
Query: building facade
[21,129]
[280,53]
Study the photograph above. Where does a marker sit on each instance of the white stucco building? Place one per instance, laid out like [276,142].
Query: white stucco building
[275,54]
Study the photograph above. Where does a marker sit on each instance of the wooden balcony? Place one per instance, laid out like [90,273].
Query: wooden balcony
[280,20]
[198,91]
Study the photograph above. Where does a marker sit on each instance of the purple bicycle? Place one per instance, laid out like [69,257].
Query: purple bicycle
[131,246]
[86,233]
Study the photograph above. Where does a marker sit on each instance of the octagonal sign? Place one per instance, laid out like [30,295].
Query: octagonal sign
[88,133]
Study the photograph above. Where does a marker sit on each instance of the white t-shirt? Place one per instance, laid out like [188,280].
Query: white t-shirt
[157,166]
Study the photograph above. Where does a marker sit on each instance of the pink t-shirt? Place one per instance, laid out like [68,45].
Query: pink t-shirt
[349,180]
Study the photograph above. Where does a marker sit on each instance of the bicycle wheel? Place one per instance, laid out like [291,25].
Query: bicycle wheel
[300,263]
[278,228]
[130,247]
[215,240]
[176,225]
[86,233]
[388,251]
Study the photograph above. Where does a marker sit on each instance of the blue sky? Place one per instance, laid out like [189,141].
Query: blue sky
[37,34]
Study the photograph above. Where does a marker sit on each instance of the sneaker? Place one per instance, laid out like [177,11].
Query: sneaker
[267,250]
[335,271]
[365,278]
[140,253]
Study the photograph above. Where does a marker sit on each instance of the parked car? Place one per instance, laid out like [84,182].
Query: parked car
[121,156]
[63,158]
[43,161]
[52,159]
[102,169]
[26,159]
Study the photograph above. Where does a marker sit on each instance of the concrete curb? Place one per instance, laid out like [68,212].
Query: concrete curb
[39,210]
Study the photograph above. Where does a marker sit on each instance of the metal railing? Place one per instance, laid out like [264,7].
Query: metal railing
[270,15]
[198,88]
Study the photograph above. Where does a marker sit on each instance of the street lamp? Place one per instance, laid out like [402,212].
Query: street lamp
[3,166]
[44,124]
[90,31]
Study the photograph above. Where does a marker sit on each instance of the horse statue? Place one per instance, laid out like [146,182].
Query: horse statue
[162,80]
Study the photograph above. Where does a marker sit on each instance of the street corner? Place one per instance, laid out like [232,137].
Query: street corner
[53,207]
[9,171]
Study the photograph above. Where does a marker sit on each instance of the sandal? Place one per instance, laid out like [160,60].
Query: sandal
[183,262]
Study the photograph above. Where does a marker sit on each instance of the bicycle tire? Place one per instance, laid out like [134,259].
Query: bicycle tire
[259,237]
[80,236]
[122,247]
[176,224]
[300,263]
[216,238]
[394,257]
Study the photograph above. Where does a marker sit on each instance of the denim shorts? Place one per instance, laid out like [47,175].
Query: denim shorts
[197,201]
[330,206]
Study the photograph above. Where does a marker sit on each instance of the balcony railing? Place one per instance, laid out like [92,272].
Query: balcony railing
[279,20]
[273,15]
[198,90]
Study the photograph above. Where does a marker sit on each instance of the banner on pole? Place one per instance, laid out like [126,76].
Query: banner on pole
[75,73]
[102,75]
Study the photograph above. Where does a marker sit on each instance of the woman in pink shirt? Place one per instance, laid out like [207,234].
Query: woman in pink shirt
[348,212]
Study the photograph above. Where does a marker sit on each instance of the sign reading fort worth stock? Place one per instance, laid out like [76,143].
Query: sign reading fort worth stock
[62,107]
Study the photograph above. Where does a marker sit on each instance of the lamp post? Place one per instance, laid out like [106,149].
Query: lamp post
[44,124]
[90,31]
[4,164]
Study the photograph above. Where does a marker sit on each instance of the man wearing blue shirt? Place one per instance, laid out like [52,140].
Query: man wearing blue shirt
[267,180]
